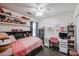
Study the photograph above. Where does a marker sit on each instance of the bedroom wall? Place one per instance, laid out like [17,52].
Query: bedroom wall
[55,22]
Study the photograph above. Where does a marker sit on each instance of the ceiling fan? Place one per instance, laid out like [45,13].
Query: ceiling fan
[38,11]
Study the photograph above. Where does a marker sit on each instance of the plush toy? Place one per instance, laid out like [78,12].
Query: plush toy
[4,42]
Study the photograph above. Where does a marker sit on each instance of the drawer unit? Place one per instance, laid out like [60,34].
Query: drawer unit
[63,46]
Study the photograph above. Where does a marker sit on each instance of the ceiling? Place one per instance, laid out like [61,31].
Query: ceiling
[30,9]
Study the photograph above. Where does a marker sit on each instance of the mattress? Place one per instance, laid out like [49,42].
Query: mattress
[28,44]
[31,43]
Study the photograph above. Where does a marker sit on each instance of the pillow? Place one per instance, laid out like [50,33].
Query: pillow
[4,39]
[4,48]
[19,35]
[12,38]
[4,42]
[3,36]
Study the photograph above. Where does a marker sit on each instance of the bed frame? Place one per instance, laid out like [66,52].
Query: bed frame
[32,53]
[19,32]
[35,51]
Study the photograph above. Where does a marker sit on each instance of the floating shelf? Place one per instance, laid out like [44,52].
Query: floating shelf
[10,16]
[5,23]
[15,24]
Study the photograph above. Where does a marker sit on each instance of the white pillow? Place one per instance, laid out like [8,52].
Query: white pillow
[12,38]
[6,41]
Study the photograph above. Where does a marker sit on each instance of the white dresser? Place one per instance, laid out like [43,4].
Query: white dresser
[63,46]
[46,42]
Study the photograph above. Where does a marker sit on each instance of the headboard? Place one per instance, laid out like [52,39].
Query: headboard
[20,34]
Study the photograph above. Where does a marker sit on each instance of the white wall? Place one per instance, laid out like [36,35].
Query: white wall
[62,19]
[5,27]
[55,21]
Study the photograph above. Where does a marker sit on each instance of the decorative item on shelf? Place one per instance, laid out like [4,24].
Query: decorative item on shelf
[18,22]
[8,13]
[63,29]
[8,20]
[2,18]
[15,21]
[14,30]
[23,22]
[17,30]
[50,29]
[1,10]
[12,21]
[71,23]
[26,18]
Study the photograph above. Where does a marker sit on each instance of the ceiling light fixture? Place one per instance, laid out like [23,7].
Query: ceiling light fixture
[40,11]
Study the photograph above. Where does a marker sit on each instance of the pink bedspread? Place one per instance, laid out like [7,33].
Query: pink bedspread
[18,48]
[25,45]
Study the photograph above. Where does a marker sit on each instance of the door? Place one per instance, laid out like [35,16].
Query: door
[41,34]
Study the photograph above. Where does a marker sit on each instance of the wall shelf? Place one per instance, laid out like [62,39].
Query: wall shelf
[13,20]
[70,37]
[10,16]
[5,23]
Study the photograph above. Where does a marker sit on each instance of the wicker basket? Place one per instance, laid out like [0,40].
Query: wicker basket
[4,48]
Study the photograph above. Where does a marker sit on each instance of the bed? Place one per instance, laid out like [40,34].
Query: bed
[23,46]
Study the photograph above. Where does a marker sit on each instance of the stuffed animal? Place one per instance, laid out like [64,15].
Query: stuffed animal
[4,42]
